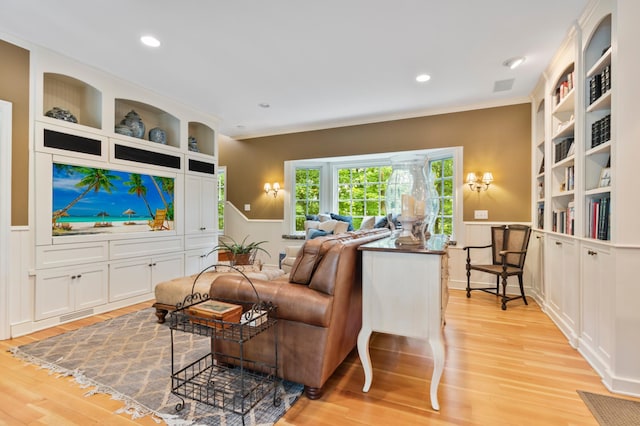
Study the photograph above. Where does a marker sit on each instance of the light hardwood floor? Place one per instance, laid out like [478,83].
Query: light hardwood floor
[509,367]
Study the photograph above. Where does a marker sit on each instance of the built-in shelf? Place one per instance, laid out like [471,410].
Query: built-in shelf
[566,104]
[80,99]
[565,129]
[600,64]
[205,137]
[603,102]
[152,117]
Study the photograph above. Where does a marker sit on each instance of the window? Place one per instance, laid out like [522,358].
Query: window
[442,176]
[355,186]
[222,197]
[361,192]
[307,199]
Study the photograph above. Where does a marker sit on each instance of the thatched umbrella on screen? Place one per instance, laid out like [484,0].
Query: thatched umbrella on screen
[129,212]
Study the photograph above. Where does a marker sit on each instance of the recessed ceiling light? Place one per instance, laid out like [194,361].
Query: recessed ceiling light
[514,63]
[264,105]
[423,77]
[150,41]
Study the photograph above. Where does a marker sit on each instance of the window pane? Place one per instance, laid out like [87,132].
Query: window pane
[222,198]
[448,187]
[447,206]
[361,192]
[307,188]
[442,175]
[436,169]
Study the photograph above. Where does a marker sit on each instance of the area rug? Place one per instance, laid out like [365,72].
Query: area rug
[611,411]
[129,357]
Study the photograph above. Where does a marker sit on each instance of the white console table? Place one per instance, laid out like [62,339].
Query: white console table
[404,292]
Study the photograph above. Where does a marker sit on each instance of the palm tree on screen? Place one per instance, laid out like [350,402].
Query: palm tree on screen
[137,187]
[92,180]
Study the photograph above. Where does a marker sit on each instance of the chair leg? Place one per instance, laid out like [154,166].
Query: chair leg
[497,285]
[504,292]
[522,289]
[468,279]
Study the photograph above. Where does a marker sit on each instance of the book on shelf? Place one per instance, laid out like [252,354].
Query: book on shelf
[562,149]
[570,217]
[569,178]
[605,79]
[598,225]
[601,131]
[541,215]
[563,220]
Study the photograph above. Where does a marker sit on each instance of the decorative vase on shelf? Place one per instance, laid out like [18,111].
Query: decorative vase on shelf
[158,135]
[411,197]
[193,144]
[133,121]
[61,114]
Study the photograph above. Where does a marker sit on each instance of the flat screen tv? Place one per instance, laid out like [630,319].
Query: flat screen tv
[89,200]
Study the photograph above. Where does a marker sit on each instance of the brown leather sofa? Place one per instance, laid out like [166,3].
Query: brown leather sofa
[319,309]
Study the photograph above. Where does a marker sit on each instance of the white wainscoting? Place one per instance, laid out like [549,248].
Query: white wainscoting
[238,226]
[20,302]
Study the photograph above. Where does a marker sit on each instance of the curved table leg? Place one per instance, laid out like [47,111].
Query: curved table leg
[365,359]
[437,347]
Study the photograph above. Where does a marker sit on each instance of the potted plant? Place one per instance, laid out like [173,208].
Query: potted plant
[242,253]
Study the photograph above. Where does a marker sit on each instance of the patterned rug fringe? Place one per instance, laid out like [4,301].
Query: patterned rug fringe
[131,406]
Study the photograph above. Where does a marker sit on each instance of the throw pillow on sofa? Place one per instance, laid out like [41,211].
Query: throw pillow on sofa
[315,233]
[368,222]
[341,218]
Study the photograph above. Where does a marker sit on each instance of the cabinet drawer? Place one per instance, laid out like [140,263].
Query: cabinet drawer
[126,249]
[71,254]
[205,241]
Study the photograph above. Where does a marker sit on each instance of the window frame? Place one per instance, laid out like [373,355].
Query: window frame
[222,170]
[329,179]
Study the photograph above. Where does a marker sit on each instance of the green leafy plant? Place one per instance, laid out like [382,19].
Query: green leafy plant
[235,249]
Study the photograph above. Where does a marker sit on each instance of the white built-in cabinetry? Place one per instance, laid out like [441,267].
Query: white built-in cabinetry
[74,288]
[563,297]
[79,275]
[199,218]
[584,156]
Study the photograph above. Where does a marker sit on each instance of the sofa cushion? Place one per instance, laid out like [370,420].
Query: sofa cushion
[315,233]
[308,257]
[311,224]
[328,226]
[368,222]
[342,218]
[295,303]
[341,227]
[224,266]
[323,217]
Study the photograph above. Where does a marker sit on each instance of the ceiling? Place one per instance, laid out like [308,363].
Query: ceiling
[317,64]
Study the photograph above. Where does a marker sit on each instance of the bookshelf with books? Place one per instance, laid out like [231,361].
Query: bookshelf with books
[591,241]
[538,156]
[563,126]
[598,87]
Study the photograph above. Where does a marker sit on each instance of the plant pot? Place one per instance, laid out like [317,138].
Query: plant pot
[242,259]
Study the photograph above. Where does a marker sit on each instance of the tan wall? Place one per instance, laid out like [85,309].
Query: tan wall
[14,88]
[494,139]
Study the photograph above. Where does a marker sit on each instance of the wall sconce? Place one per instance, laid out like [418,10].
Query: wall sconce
[477,184]
[275,188]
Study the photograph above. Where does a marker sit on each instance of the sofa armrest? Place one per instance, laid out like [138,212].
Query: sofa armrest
[295,302]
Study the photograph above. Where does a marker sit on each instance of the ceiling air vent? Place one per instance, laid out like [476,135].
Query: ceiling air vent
[503,85]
